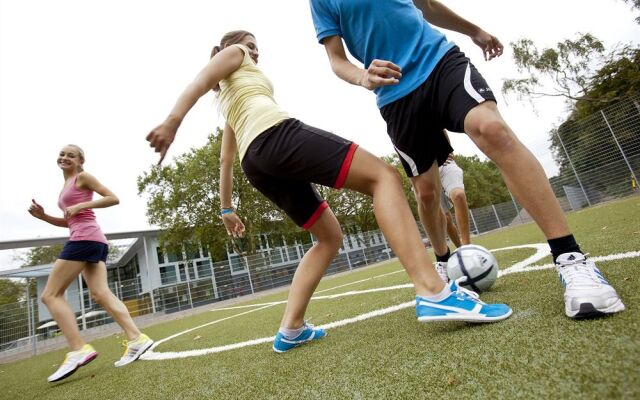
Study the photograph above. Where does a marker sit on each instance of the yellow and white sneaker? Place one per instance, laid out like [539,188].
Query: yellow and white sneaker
[134,349]
[73,361]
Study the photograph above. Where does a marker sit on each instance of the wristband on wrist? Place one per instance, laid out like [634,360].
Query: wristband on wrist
[224,211]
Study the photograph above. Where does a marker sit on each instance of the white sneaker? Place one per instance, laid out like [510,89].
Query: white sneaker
[134,350]
[441,268]
[587,294]
[73,361]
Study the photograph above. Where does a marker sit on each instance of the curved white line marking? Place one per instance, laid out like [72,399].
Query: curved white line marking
[522,266]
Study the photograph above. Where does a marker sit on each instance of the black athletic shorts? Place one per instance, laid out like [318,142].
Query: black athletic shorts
[84,250]
[284,161]
[416,122]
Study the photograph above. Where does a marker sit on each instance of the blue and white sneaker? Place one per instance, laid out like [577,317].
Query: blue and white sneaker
[282,344]
[461,305]
[586,293]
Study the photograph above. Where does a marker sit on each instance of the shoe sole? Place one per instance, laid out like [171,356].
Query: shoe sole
[138,354]
[85,362]
[588,311]
[466,318]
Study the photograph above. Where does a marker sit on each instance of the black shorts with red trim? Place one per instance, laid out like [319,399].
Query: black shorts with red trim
[286,160]
[417,121]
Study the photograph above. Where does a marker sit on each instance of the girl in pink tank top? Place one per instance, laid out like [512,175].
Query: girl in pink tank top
[86,253]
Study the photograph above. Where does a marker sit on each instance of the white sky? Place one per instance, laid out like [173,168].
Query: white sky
[103,74]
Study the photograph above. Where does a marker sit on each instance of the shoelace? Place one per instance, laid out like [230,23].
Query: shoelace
[578,271]
[466,293]
[125,344]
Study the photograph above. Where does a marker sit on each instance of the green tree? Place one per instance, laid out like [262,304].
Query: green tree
[10,291]
[590,78]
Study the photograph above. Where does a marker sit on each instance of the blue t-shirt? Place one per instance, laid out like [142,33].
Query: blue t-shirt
[392,30]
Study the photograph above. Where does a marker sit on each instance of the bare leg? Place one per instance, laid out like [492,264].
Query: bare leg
[63,273]
[459,199]
[521,171]
[369,175]
[452,231]
[95,274]
[312,267]
[427,189]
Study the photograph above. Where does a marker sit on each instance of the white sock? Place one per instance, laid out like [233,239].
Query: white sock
[291,333]
[439,296]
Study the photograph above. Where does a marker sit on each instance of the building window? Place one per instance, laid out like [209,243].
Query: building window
[160,255]
[204,268]
[168,275]
[174,256]
[183,272]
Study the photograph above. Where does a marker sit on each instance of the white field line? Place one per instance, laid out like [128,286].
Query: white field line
[522,266]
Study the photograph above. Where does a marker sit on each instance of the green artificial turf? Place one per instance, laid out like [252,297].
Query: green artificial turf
[537,353]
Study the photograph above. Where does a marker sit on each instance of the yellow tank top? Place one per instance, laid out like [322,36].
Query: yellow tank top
[247,104]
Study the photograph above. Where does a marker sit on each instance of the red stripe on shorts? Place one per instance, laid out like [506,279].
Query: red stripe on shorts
[346,164]
[321,207]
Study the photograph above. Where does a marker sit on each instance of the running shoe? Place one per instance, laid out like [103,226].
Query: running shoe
[134,349]
[461,305]
[73,361]
[309,333]
[586,293]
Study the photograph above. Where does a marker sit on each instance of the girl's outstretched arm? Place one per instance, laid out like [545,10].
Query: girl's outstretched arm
[228,151]
[221,65]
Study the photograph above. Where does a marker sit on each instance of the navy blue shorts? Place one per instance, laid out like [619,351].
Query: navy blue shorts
[84,250]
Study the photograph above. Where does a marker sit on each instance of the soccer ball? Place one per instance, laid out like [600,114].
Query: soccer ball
[476,263]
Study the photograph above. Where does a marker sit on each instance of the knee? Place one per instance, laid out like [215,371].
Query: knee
[427,195]
[458,196]
[497,136]
[101,296]
[390,175]
[47,298]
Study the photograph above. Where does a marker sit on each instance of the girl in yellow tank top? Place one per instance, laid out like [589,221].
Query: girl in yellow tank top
[282,157]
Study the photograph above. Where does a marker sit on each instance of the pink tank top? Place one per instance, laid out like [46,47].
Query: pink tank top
[83,225]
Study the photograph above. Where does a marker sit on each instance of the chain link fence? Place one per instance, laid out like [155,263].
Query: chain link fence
[599,161]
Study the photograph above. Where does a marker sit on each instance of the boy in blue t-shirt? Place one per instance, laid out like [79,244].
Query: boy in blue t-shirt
[425,84]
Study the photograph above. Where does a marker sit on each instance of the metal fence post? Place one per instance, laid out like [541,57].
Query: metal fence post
[516,207]
[246,262]
[81,290]
[624,156]
[496,214]
[573,169]
[475,226]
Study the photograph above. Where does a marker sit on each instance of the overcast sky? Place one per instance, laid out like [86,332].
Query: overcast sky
[103,74]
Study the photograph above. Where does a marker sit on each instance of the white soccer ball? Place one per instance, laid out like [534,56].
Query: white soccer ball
[476,263]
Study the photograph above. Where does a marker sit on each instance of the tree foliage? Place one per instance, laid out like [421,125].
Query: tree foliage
[634,4]
[10,291]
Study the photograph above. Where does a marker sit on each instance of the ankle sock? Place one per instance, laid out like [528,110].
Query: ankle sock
[445,257]
[561,245]
[291,333]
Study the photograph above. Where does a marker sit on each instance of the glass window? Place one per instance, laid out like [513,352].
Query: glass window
[183,272]
[237,264]
[168,275]
[160,255]
[174,256]
[204,268]
[192,271]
